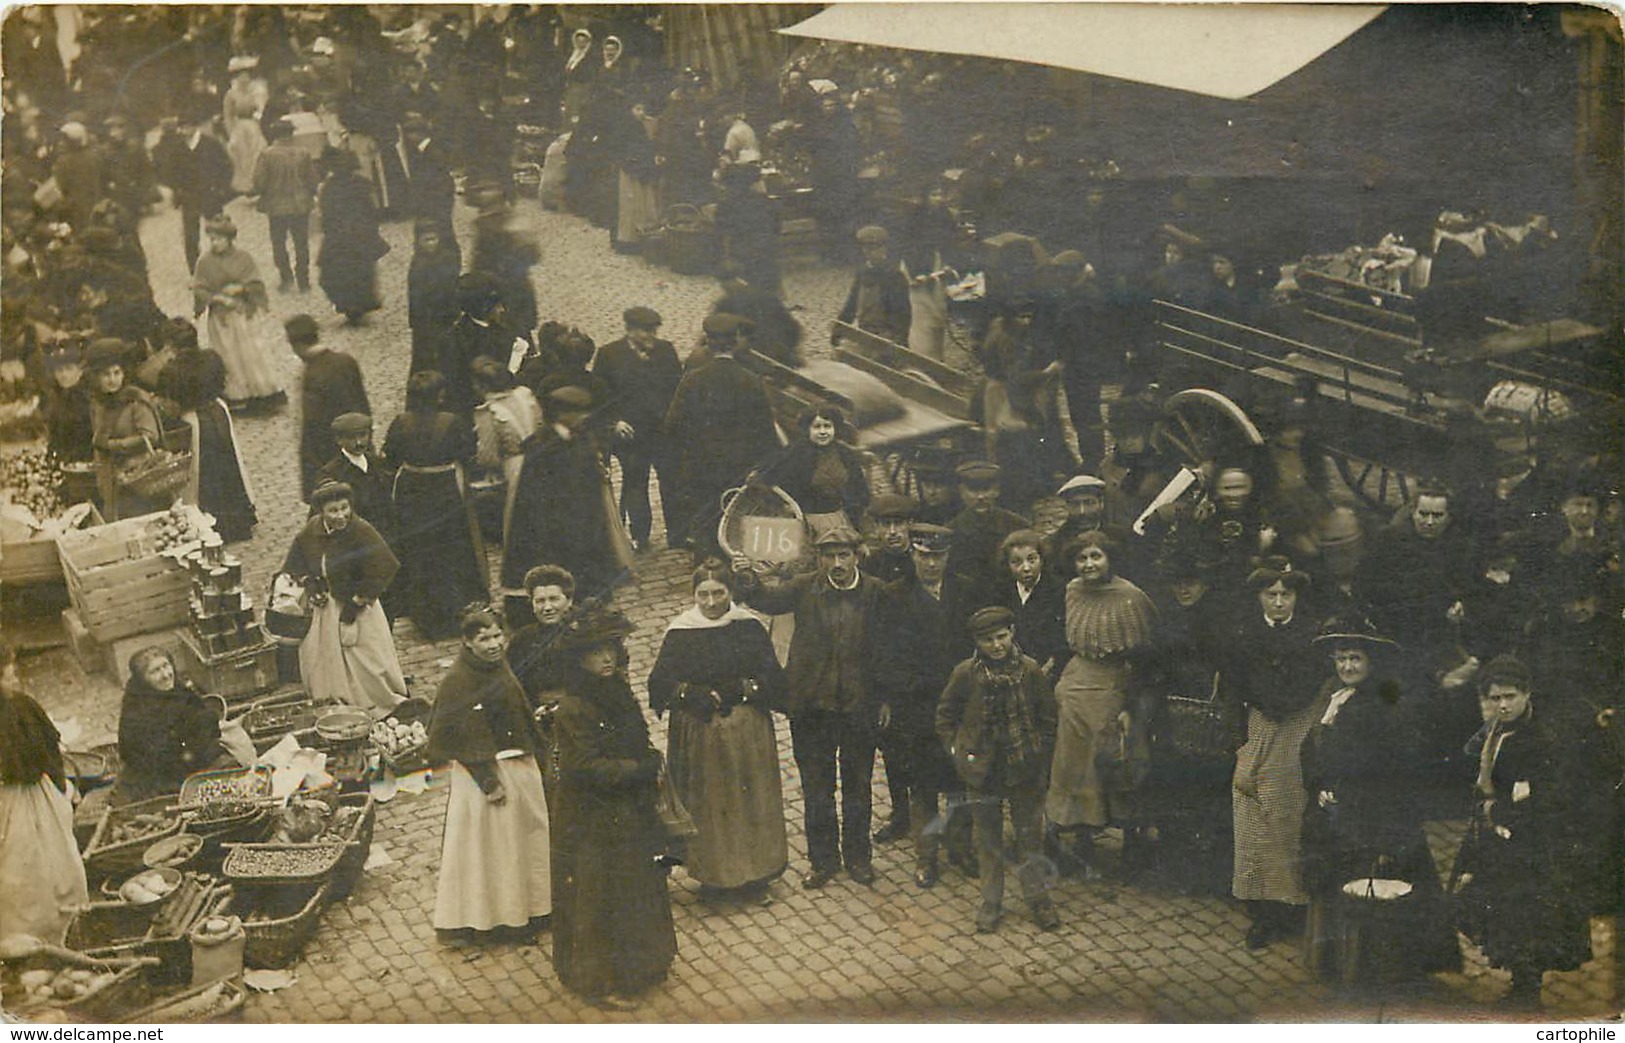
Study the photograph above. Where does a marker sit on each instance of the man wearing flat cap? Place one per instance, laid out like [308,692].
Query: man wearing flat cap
[720,428]
[284,189]
[918,640]
[889,554]
[834,706]
[878,301]
[725,332]
[563,511]
[366,473]
[640,373]
[975,575]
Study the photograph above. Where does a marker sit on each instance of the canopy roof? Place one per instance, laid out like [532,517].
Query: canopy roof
[1221,50]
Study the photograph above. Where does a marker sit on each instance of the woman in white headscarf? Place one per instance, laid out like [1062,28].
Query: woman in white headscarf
[579,72]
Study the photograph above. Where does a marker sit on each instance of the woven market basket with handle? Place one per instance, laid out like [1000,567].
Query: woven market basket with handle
[764,524]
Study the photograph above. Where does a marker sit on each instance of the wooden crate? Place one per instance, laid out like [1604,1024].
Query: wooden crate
[233,675]
[35,561]
[118,584]
[86,652]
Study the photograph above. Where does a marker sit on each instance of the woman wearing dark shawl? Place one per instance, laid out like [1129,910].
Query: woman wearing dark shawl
[351,244]
[349,655]
[41,873]
[495,863]
[165,730]
[717,674]
[612,928]
[227,286]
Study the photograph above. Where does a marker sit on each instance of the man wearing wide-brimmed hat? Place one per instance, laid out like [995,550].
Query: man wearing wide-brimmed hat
[835,707]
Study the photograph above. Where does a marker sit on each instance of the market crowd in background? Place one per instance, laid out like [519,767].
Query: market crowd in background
[1266,692]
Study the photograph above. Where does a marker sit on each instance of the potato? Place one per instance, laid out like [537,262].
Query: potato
[32,980]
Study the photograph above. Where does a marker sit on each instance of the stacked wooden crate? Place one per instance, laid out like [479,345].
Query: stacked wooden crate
[118,582]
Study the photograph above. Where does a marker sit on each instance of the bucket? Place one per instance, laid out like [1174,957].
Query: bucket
[217,949]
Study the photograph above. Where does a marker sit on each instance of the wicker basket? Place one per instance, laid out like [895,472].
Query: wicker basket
[293,913]
[128,987]
[348,871]
[206,787]
[764,524]
[416,758]
[249,863]
[104,858]
[211,1001]
[273,722]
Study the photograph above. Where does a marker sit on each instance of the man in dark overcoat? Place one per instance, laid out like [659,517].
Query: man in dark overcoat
[917,638]
[721,427]
[330,387]
[482,328]
[834,705]
[641,373]
[196,167]
[975,575]
[561,512]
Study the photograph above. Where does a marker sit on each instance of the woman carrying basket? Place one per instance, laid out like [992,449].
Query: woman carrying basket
[348,656]
[1376,910]
[125,427]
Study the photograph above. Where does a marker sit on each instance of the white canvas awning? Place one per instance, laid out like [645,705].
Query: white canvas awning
[1221,50]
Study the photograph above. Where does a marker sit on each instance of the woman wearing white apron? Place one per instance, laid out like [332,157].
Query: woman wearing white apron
[349,654]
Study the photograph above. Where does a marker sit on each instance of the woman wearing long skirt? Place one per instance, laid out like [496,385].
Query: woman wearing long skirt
[495,869]
[227,285]
[612,928]
[349,654]
[508,414]
[1363,824]
[195,380]
[124,426]
[637,210]
[242,107]
[438,537]
[431,293]
[1275,673]
[718,676]
[1108,622]
[40,869]
[351,245]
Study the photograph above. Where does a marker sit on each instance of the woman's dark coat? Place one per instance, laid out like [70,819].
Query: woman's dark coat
[351,245]
[443,560]
[162,738]
[720,425]
[560,515]
[359,563]
[612,925]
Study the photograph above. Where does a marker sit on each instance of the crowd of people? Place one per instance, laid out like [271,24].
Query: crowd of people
[1266,692]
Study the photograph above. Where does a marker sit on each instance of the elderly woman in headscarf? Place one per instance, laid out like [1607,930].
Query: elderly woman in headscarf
[349,654]
[124,427]
[1109,624]
[580,70]
[1273,671]
[166,731]
[1362,834]
[41,872]
[227,286]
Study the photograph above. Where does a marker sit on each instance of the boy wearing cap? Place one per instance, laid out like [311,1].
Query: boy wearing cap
[919,632]
[640,372]
[835,703]
[878,301]
[996,718]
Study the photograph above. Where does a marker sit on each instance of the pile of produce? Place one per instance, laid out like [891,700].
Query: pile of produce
[172,851]
[222,810]
[32,479]
[144,825]
[62,986]
[397,738]
[1385,266]
[151,886]
[273,862]
[210,1002]
[302,821]
[181,530]
[231,785]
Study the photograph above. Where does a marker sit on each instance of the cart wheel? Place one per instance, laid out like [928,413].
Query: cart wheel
[1377,486]
[1199,425]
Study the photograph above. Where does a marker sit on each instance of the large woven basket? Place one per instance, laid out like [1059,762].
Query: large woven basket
[295,911]
[105,858]
[739,535]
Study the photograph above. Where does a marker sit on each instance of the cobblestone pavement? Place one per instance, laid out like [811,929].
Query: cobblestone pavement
[887,953]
